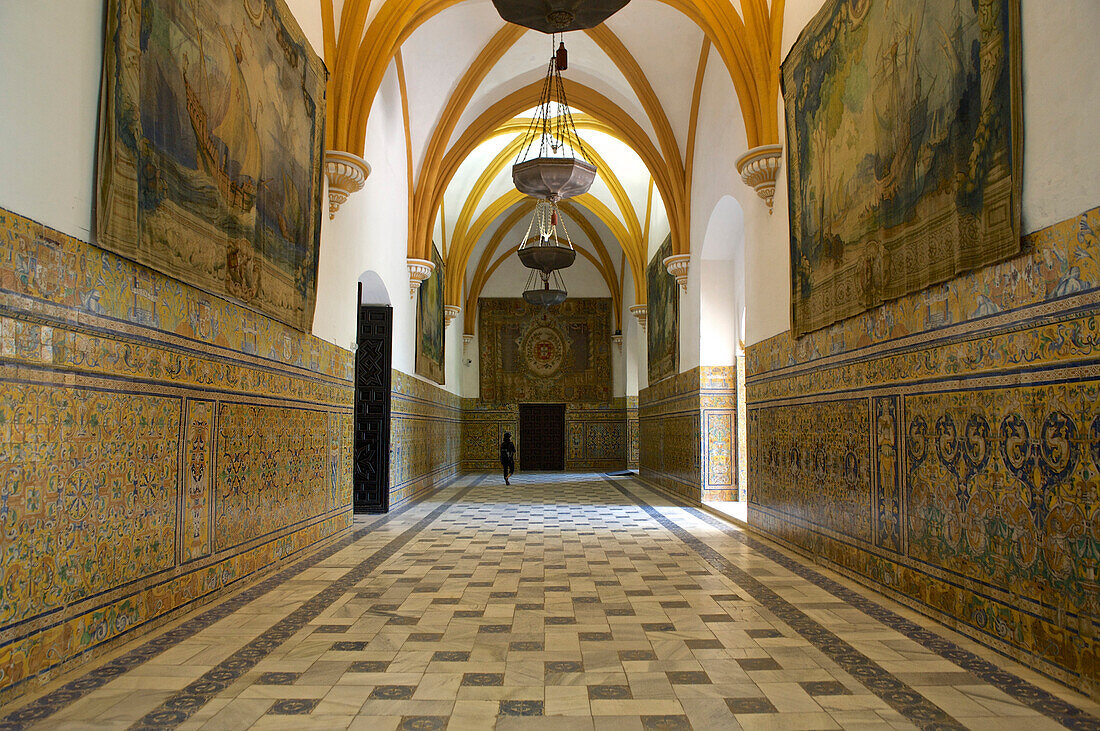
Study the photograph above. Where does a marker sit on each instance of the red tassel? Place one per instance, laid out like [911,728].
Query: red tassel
[561,60]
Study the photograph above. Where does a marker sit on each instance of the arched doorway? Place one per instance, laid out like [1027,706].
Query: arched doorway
[373,360]
[722,318]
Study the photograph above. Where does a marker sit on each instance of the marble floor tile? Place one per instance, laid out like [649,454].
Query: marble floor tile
[565,602]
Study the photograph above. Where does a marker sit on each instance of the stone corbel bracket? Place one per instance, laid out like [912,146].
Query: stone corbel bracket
[639,312]
[346,174]
[677,266]
[759,168]
[467,338]
[450,312]
[618,341]
[419,270]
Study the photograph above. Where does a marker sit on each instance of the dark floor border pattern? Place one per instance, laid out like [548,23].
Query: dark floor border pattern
[183,704]
[897,694]
[1013,685]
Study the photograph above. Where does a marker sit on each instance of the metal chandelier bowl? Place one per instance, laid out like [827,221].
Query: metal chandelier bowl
[552,163]
[547,257]
[553,178]
[545,297]
[545,289]
[558,16]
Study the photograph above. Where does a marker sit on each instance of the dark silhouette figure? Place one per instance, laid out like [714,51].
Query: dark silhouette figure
[508,457]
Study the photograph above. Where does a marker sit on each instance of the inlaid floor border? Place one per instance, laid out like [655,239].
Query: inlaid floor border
[56,700]
[1027,693]
[892,690]
[181,705]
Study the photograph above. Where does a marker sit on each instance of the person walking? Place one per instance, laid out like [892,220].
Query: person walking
[508,457]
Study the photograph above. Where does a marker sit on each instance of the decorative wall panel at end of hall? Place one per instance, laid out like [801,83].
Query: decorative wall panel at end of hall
[952,439]
[595,434]
[162,445]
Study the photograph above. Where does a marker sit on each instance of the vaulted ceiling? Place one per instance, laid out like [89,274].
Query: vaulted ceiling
[468,82]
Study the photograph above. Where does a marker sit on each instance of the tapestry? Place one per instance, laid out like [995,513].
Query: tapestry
[903,138]
[430,330]
[531,353]
[211,134]
[663,317]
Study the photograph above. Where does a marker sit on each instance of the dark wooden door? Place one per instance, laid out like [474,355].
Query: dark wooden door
[373,352]
[542,436]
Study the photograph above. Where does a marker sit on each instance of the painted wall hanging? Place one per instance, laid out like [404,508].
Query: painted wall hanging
[430,328]
[663,317]
[903,132]
[209,170]
[534,353]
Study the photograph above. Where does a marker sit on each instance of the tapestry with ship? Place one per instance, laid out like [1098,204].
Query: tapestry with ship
[211,137]
[904,160]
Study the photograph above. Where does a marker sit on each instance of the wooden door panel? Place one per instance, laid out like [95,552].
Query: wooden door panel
[542,436]
[371,461]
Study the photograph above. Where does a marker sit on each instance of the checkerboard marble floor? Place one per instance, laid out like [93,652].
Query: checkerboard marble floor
[564,601]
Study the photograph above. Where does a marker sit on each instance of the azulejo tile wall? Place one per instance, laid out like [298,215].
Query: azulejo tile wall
[632,432]
[160,445]
[687,433]
[946,449]
[425,433]
[595,434]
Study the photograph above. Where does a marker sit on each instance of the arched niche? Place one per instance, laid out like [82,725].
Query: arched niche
[722,285]
[372,289]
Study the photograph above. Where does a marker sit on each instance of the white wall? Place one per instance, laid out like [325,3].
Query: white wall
[633,339]
[722,285]
[51,53]
[758,249]
[308,15]
[1061,110]
[370,232]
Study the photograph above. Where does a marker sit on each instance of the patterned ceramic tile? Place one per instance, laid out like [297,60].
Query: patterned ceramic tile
[165,445]
[951,440]
[686,433]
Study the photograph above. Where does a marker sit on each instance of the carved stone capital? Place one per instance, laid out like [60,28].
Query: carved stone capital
[467,338]
[618,341]
[346,174]
[677,266]
[639,312]
[759,167]
[419,270]
[450,312]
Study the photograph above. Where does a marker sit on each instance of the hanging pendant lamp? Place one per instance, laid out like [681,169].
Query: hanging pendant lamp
[545,290]
[558,16]
[545,251]
[552,163]
[546,254]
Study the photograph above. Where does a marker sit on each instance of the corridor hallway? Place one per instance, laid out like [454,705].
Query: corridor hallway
[573,601]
